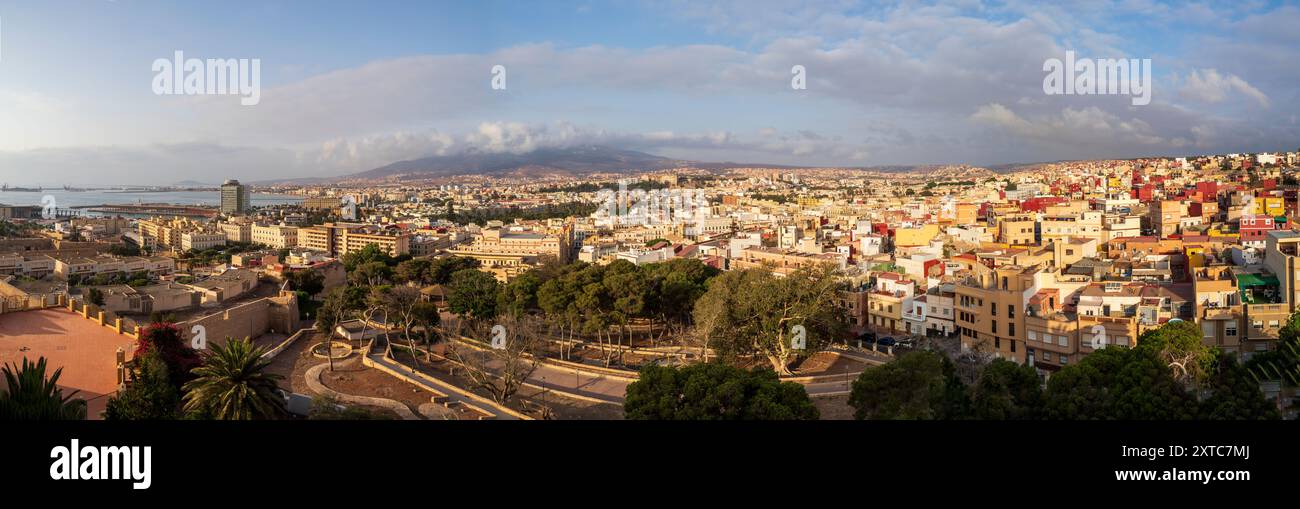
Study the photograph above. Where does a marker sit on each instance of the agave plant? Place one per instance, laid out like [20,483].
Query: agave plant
[232,384]
[32,396]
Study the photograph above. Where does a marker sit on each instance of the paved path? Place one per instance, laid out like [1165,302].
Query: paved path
[587,385]
[454,393]
[565,380]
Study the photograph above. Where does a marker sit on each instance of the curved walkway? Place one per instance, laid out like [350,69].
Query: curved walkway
[568,379]
[314,383]
[435,383]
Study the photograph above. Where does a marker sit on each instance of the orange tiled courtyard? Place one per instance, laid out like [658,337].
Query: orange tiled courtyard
[84,349]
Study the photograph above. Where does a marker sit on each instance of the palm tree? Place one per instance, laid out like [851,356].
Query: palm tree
[232,384]
[31,396]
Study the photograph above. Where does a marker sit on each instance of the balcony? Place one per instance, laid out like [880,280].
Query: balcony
[1218,313]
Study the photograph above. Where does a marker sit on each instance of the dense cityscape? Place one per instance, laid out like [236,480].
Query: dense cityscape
[618,249]
[845,292]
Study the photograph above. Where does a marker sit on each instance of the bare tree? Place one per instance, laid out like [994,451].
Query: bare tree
[328,317]
[501,371]
[399,303]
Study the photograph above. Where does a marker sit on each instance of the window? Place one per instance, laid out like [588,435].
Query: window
[1047,356]
[995,326]
[1064,360]
[1272,323]
[1011,310]
[993,308]
[1230,330]
[1063,341]
[1011,329]
[1033,335]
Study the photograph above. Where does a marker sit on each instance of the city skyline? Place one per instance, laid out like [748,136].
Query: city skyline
[348,88]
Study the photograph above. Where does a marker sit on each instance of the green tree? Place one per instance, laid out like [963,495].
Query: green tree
[443,268]
[1179,345]
[759,312]
[95,296]
[368,254]
[30,396]
[427,319]
[715,391]
[308,281]
[418,270]
[520,294]
[920,385]
[370,274]
[473,293]
[1006,390]
[232,384]
[1235,395]
[1118,383]
[149,396]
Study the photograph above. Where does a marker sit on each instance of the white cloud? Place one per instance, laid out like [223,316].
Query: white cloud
[1208,85]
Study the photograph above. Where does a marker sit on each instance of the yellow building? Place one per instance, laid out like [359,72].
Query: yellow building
[1269,205]
[1017,230]
[921,236]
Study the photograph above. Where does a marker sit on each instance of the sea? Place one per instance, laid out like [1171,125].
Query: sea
[67,199]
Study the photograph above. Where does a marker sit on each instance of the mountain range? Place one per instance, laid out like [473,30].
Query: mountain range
[567,161]
[575,160]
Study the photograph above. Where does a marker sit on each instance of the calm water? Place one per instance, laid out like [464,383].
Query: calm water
[67,199]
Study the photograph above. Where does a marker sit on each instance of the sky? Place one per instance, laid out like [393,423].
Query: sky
[351,86]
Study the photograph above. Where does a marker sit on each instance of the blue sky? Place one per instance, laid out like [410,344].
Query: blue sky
[348,86]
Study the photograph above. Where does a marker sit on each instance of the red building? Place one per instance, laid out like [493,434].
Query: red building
[1254,229]
[1040,204]
[1208,189]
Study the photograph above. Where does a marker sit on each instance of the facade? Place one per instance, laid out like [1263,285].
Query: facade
[235,198]
[1017,230]
[1166,217]
[990,309]
[275,236]
[939,313]
[340,239]
[494,247]
[18,264]
[237,232]
[199,241]
[104,264]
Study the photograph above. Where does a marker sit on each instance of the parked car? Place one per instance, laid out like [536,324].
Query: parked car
[867,338]
[907,342]
[886,341]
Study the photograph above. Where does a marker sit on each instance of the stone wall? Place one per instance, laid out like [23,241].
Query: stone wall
[248,320]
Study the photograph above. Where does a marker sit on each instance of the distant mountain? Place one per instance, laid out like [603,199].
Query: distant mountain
[575,160]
